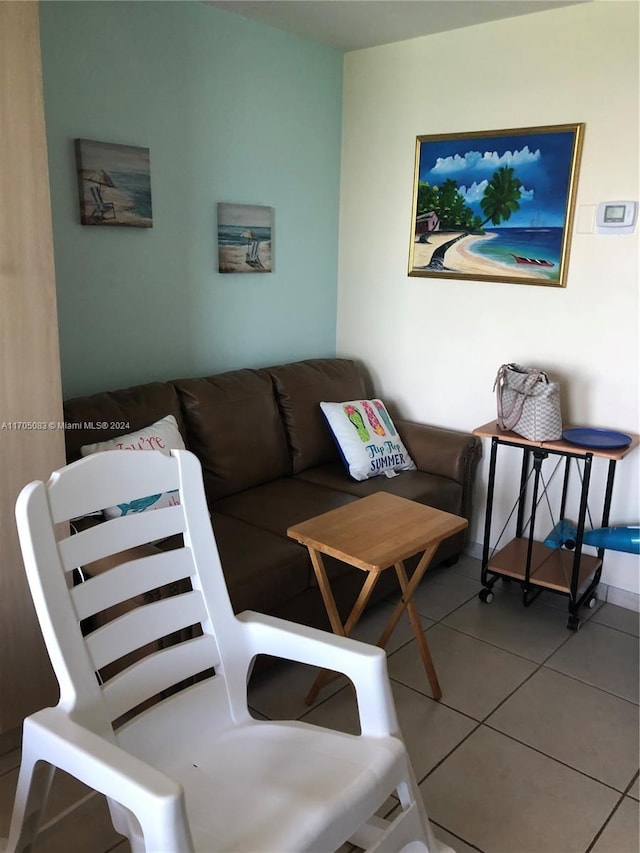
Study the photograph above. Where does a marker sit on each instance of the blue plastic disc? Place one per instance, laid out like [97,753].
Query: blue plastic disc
[603,439]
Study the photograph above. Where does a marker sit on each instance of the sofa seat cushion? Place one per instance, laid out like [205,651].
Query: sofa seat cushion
[235,430]
[262,570]
[276,506]
[429,489]
[300,387]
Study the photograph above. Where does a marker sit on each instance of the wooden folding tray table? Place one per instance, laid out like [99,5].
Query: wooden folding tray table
[373,534]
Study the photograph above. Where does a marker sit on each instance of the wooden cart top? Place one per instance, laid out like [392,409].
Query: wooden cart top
[492,430]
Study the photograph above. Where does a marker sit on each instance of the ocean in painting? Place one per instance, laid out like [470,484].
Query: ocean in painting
[540,243]
[231,235]
[137,185]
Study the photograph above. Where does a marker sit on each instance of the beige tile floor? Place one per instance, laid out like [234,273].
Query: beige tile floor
[534,747]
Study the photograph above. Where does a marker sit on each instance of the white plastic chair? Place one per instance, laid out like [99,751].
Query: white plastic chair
[194,771]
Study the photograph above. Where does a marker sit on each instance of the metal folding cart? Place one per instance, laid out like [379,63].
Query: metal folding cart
[537,566]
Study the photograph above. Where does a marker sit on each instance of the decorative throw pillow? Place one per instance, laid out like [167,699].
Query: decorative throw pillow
[367,439]
[164,436]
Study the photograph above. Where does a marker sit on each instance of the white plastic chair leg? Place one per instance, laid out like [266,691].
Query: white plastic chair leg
[34,782]
[126,824]
[411,791]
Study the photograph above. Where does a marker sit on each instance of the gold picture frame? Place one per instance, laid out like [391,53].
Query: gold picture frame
[495,205]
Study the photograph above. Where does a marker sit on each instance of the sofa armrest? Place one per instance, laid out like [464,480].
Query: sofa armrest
[441,451]
[444,452]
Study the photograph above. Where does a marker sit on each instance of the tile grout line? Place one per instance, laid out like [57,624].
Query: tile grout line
[438,702]
[485,722]
[605,823]
[613,627]
[589,684]
[630,785]
[539,666]
[456,835]
[46,829]
[558,760]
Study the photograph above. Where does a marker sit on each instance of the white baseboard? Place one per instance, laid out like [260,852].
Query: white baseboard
[474,549]
[610,594]
[623,598]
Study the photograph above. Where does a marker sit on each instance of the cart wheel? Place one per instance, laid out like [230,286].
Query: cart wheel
[592,602]
[573,622]
[486,596]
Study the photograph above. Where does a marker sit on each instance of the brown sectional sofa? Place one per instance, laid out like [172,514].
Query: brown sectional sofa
[269,460]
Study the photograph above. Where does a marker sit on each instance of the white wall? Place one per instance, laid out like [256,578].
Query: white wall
[433,346]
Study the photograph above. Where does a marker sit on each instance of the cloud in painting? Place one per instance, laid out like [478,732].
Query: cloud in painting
[488,160]
[475,192]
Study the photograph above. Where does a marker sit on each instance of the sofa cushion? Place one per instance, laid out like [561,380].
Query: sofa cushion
[277,505]
[262,570]
[162,436]
[100,417]
[367,439]
[235,430]
[300,388]
[429,489]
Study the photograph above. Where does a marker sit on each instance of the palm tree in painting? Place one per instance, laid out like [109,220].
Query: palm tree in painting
[501,198]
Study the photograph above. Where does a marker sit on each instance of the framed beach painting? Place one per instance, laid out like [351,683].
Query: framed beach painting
[114,184]
[244,237]
[495,205]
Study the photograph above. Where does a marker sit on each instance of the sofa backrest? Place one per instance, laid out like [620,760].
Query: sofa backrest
[101,417]
[247,427]
[235,429]
[300,387]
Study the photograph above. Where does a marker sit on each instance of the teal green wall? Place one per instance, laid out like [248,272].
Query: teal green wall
[231,111]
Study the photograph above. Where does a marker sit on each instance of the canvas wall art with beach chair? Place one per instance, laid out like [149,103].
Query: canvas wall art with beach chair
[244,237]
[114,184]
[495,205]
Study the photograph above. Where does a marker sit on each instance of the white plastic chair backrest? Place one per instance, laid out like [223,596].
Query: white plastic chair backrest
[94,483]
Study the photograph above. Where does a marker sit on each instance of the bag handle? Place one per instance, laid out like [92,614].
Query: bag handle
[505,417]
[509,419]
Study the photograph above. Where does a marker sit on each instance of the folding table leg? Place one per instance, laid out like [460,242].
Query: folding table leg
[325,676]
[421,640]
[408,587]
[416,577]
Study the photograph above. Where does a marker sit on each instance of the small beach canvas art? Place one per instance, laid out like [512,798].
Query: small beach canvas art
[495,205]
[244,237]
[114,184]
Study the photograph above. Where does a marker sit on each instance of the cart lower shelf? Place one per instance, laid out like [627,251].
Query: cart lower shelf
[550,568]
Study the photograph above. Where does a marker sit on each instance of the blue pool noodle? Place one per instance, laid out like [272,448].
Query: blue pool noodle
[614,539]
[610,538]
